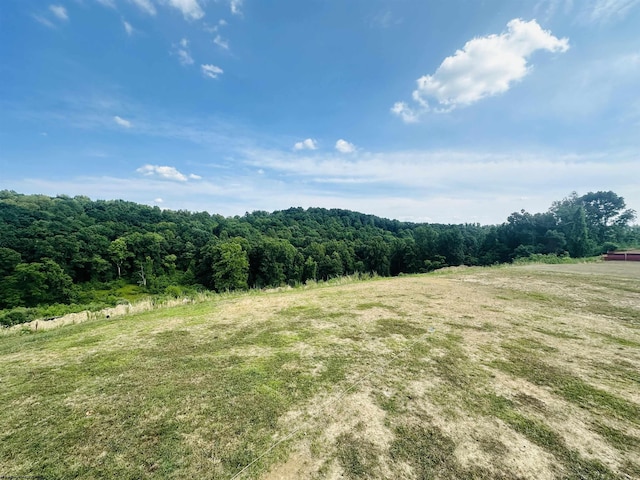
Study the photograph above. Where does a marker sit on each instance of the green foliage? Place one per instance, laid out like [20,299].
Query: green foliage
[592,220]
[551,258]
[230,266]
[9,260]
[579,245]
[119,253]
[16,316]
[57,250]
[33,284]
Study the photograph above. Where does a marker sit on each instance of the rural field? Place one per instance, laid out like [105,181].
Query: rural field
[519,372]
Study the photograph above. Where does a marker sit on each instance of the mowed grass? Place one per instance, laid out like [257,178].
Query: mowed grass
[527,372]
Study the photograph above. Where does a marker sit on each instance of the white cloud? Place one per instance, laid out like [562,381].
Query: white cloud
[236,7]
[439,186]
[222,43]
[59,12]
[163,172]
[193,176]
[211,71]
[158,200]
[454,170]
[184,57]
[484,67]
[122,122]
[145,5]
[214,28]
[405,112]
[190,9]
[128,28]
[308,144]
[56,12]
[183,53]
[345,147]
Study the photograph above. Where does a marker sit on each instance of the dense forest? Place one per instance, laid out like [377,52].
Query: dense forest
[58,250]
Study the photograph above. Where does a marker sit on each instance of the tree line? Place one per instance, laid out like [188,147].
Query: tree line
[51,248]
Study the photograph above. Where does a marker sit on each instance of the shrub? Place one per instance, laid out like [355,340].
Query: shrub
[174,291]
[16,316]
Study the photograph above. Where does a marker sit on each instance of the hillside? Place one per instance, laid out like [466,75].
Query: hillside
[79,252]
[521,372]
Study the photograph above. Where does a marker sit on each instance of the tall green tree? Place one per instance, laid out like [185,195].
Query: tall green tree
[119,253]
[604,211]
[229,266]
[578,241]
[9,259]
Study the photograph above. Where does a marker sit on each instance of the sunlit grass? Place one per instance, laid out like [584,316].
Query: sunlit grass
[435,376]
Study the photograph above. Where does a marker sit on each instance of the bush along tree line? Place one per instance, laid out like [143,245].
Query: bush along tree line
[71,251]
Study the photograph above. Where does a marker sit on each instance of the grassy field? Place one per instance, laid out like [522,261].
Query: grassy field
[527,372]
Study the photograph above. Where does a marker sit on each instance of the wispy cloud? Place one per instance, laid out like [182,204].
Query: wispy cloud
[606,10]
[55,13]
[222,43]
[384,19]
[307,144]
[43,21]
[166,173]
[214,28]
[122,122]
[127,27]
[182,52]
[145,5]
[107,3]
[408,185]
[191,9]
[345,147]
[484,67]
[587,11]
[236,6]
[211,71]
[59,12]
[507,172]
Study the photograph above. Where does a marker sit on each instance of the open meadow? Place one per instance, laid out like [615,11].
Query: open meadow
[519,372]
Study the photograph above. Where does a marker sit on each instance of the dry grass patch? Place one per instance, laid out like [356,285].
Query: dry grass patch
[510,373]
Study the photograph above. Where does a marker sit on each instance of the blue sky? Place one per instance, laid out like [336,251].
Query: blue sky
[420,110]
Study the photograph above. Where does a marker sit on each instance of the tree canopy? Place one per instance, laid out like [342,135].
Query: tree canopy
[50,246]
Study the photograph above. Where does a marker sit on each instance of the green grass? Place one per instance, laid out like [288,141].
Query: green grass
[625,342]
[357,457]
[388,378]
[570,387]
[431,453]
[558,334]
[617,438]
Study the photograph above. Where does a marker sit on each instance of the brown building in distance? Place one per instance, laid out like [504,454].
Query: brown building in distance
[630,256]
